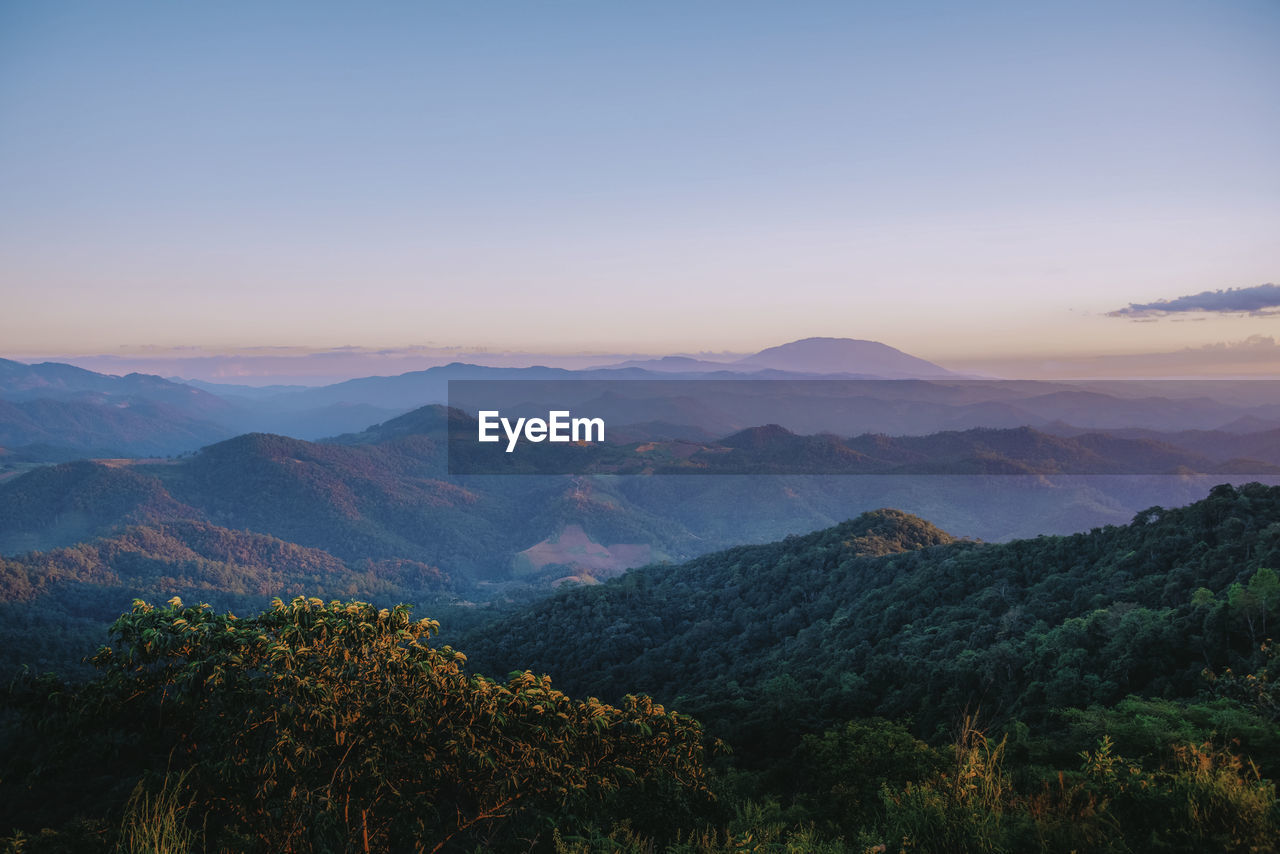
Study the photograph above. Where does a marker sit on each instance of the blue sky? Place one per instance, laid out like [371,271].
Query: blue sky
[962,181]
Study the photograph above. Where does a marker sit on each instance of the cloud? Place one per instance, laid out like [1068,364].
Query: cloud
[1257,301]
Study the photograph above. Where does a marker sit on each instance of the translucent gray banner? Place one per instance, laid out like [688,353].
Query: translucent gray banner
[864,427]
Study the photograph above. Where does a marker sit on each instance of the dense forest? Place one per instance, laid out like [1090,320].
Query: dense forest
[817,628]
[875,686]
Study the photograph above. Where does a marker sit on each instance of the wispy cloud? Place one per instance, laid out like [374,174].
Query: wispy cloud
[1256,301]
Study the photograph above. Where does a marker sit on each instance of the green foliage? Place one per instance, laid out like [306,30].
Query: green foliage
[1254,603]
[839,775]
[94,581]
[1150,730]
[335,726]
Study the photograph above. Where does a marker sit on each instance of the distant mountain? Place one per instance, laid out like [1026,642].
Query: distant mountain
[52,412]
[816,385]
[315,422]
[843,356]
[374,496]
[774,450]
[385,493]
[1250,424]
[809,357]
[674,364]
[415,388]
[1223,444]
[232,390]
[430,422]
[56,381]
[61,505]
[1020,450]
[64,409]
[102,425]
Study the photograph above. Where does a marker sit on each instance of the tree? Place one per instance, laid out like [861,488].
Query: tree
[1265,588]
[334,726]
[1253,601]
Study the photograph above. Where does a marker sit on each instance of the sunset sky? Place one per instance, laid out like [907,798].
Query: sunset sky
[974,183]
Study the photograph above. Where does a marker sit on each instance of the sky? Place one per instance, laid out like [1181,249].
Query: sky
[981,184]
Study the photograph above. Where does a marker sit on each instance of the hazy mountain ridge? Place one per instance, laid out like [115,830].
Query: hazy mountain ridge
[50,411]
[773,449]
[385,494]
[104,427]
[668,448]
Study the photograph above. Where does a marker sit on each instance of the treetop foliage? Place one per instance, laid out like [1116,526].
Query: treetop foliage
[316,725]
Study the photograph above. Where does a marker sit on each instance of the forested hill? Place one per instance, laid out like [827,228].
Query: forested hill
[886,615]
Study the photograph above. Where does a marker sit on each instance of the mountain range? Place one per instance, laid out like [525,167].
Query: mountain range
[53,412]
[773,450]
[385,495]
[181,499]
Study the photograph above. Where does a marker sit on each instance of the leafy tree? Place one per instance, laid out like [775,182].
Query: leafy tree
[841,772]
[327,727]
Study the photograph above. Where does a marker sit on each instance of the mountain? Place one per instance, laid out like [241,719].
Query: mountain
[1015,629]
[104,426]
[233,390]
[50,412]
[843,406]
[415,388]
[842,356]
[674,365]
[385,493]
[186,557]
[431,422]
[65,410]
[773,450]
[56,381]
[62,505]
[1263,445]
[811,357]
[53,412]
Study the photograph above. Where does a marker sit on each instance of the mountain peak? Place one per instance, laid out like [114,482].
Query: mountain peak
[758,437]
[889,531]
[843,356]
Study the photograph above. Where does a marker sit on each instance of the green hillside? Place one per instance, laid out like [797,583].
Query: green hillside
[819,628]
